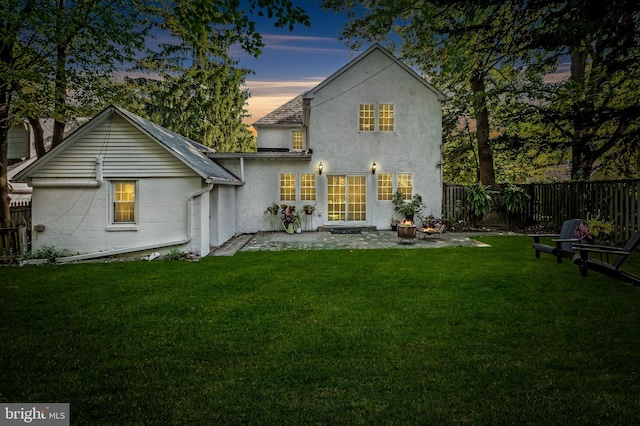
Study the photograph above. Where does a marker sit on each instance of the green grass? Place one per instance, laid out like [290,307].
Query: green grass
[435,336]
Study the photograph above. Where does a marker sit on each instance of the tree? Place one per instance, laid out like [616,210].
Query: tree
[595,112]
[470,49]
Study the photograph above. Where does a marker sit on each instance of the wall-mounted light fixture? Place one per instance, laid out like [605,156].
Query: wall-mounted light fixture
[320,168]
[374,166]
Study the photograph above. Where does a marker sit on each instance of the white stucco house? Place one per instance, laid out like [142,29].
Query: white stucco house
[122,184]
[320,148]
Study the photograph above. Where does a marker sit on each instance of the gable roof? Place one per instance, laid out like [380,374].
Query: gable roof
[289,114]
[191,153]
[379,48]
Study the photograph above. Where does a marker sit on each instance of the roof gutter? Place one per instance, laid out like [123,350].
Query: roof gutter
[150,246]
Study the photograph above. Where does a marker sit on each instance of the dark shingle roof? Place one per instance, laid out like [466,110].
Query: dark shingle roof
[289,114]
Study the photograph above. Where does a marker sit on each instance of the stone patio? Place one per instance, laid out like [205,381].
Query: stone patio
[278,241]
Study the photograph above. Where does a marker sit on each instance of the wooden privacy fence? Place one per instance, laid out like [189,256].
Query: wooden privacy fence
[15,235]
[553,203]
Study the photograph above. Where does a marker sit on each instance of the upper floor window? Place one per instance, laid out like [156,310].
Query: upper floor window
[383,114]
[385,186]
[386,119]
[297,143]
[367,118]
[405,185]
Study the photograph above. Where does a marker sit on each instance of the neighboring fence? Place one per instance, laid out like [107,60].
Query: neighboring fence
[553,203]
[15,237]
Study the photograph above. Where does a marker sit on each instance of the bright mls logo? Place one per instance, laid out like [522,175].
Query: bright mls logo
[37,414]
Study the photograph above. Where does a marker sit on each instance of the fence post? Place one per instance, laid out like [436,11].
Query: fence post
[22,240]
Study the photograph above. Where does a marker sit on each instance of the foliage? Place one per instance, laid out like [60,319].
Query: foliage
[515,198]
[309,208]
[273,209]
[407,208]
[176,254]
[325,337]
[289,216]
[46,252]
[599,226]
[479,201]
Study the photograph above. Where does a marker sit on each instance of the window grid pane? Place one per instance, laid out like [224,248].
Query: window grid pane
[405,185]
[296,142]
[385,187]
[124,202]
[287,187]
[308,187]
[367,117]
[386,117]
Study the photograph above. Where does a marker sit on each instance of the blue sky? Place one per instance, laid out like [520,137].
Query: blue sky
[294,61]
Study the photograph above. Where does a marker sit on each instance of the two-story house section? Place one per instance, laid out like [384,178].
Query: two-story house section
[368,130]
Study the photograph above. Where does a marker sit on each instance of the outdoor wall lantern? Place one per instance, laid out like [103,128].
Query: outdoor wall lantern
[374,166]
[320,168]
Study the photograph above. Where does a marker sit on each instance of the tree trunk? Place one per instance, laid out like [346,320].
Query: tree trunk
[5,212]
[485,154]
[60,89]
[5,124]
[581,166]
[38,136]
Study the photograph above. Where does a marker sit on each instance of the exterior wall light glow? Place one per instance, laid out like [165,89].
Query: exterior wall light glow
[374,166]
[320,168]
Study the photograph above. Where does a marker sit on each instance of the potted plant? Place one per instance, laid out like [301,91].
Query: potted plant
[309,209]
[407,208]
[394,224]
[589,232]
[290,218]
[273,209]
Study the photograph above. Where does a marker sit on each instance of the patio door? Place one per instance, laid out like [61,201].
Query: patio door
[347,198]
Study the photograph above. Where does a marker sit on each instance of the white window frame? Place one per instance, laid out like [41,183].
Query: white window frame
[376,123]
[112,225]
[298,187]
[293,133]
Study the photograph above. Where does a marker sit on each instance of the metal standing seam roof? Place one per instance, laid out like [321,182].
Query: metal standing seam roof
[190,152]
[289,114]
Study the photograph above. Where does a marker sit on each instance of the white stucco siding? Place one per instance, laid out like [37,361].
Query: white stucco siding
[127,152]
[77,219]
[262,189]
[276,137]
[222,214]
[413,147]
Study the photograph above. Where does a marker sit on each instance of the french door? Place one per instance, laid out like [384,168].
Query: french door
[347,198]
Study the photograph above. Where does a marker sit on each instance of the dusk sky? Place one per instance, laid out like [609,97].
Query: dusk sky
[294,61]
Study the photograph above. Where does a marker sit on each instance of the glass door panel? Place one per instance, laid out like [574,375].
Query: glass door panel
[336,198]
[347,198]
[357,195]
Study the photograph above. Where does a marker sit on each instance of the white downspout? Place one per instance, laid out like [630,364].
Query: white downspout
[150,246]
[242,169]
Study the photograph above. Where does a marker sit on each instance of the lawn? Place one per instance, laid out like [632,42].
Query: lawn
[435,336]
